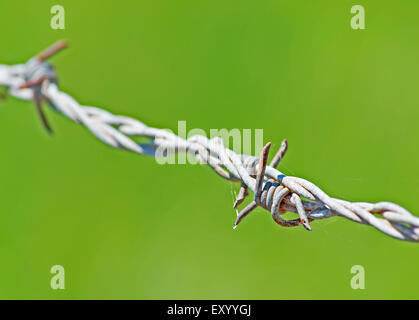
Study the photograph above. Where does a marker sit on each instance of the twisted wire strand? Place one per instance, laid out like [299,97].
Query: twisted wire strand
[274,191]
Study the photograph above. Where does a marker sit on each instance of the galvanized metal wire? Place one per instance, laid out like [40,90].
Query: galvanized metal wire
[274,191]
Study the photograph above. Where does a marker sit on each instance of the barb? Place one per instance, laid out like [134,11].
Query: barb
[36,80]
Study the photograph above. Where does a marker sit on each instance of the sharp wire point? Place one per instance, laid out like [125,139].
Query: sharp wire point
[41,113]
[52,50]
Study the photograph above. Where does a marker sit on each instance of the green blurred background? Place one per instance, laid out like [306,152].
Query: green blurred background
[125,227]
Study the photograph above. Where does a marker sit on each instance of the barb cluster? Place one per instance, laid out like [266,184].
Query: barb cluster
[36,80]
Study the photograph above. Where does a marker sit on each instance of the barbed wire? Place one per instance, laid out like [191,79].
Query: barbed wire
[274,191]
